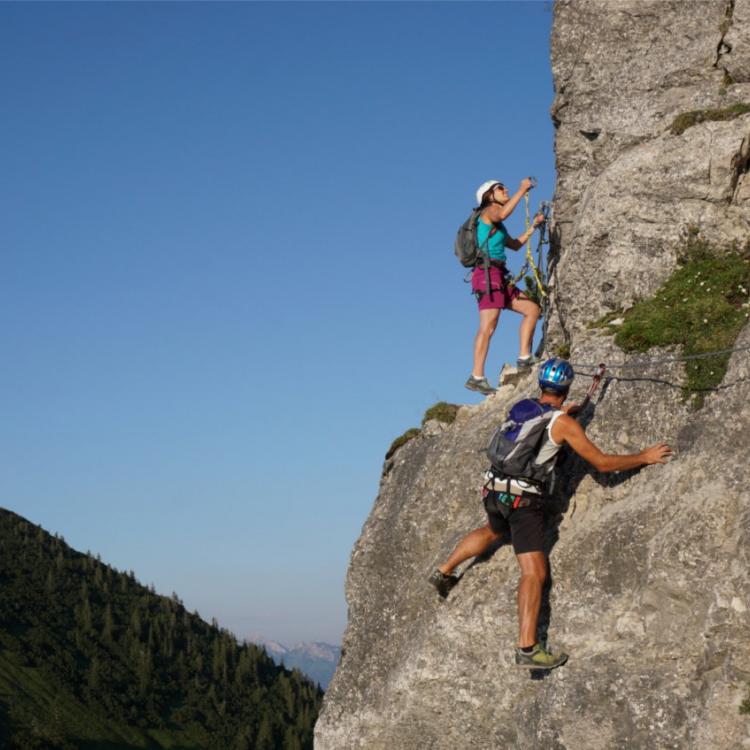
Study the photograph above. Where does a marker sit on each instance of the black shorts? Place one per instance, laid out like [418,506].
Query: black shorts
[525,526]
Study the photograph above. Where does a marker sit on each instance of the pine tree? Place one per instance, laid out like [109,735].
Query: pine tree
[135,625]
[145,669]
[285,689]
[243,740]
[264,740]
[93,675]
[291,740]
[108,626]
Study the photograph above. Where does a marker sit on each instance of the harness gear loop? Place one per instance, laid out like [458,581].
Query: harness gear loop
[486,263]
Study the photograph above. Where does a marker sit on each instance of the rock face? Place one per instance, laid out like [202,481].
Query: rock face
[650,584]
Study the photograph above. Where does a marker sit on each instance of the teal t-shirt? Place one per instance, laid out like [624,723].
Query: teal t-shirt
[496,245]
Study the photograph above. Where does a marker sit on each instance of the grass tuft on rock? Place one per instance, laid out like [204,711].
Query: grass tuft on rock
[702,307]
[687,119]
[745,705]
[563,351]
[402,440]
[442,411]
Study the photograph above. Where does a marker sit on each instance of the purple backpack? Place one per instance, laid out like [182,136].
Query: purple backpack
[516,443]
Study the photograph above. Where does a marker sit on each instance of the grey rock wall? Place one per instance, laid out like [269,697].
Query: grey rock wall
[627,188]
[650,589]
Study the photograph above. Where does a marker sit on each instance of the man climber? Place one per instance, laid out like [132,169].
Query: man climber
[514,505]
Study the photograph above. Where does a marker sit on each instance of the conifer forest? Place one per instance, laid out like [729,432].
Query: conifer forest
[91,659]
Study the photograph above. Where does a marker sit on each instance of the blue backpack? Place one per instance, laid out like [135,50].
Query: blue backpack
[516,443]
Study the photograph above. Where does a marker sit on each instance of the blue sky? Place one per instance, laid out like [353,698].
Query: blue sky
[228,279]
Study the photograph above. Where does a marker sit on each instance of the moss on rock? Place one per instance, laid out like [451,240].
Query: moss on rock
[701,307]
[442,411]
[687,119]
[402,440]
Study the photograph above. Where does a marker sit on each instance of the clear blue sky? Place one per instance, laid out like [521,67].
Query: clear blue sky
[228,278]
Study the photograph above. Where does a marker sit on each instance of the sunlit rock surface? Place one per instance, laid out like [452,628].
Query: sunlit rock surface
[651,589]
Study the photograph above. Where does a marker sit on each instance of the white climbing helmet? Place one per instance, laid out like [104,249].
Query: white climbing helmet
[484,187]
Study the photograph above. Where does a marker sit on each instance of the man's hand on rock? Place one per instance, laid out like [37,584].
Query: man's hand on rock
[657,454]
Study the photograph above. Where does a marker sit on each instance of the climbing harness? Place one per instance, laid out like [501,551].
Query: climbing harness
[472,255]
[486,263]
[505,502]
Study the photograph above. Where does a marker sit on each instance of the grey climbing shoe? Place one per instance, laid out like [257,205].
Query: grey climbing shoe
[539,658]
[442,583]
[523,363]
[481,385]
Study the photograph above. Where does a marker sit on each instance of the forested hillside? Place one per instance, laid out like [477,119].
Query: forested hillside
[90,658]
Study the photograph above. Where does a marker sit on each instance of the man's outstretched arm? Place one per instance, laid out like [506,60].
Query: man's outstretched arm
[566,429]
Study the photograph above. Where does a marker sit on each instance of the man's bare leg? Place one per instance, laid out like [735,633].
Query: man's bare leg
[472,545]
[533,574]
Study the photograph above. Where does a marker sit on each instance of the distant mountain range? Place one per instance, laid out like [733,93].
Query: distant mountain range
[316,660]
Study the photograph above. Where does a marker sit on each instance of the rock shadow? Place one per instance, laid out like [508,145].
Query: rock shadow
[487,555]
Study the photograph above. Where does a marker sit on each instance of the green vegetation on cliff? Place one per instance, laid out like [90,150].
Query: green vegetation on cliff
[442,411]
[90,659]
[402,440]
[688,119]
[702,307]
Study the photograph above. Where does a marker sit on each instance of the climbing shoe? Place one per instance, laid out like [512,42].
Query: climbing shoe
[481,385]
[539,658]
[523,363]
[442,583]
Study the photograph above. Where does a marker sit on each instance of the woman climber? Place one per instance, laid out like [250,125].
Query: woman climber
[495,205]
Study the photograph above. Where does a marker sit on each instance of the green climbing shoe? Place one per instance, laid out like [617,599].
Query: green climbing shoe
[523,363]
[481,385]
[538,658]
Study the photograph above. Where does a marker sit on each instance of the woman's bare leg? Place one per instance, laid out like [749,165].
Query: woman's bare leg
[531,312]
[487,324]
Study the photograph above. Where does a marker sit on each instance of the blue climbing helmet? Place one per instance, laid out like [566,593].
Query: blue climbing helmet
[556,375]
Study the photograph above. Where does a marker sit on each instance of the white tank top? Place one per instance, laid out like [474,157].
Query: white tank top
[549,448]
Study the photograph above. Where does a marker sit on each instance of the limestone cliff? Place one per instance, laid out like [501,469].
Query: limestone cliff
[650,585]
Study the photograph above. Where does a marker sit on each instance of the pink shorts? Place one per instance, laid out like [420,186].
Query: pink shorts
[503,292]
